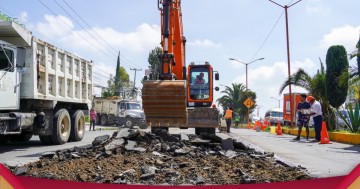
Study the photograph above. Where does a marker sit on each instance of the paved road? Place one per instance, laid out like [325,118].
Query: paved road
[18,153]
[322,160]
[334,159]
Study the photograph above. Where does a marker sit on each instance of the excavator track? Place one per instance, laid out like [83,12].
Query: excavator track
[164,103]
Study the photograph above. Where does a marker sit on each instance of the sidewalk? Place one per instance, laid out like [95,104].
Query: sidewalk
[322,160]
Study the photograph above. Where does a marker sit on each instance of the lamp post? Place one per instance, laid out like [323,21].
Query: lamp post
[246,65]
[258,109]
[288,50]
[277,100]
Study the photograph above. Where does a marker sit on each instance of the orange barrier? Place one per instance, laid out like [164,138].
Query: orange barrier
[265,124]
[324,135]
[279,130]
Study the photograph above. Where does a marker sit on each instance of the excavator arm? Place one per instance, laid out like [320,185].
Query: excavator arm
[164,100]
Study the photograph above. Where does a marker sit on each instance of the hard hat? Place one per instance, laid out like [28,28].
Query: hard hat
[310,98]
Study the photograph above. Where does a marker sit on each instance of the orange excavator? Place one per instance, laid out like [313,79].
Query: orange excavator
[182,97]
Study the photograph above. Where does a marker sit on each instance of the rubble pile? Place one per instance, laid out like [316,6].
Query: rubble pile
[136,157]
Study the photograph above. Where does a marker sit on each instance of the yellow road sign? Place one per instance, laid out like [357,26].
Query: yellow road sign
[248,102]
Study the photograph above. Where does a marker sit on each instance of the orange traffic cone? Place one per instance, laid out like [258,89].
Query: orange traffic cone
[324,135]
[279,130]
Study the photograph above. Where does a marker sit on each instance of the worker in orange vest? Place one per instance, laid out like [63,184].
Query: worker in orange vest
[228,117]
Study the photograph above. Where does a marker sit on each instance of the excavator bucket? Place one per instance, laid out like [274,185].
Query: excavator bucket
[164,103]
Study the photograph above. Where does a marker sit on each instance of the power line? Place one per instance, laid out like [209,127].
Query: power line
[90,26]
[130,64]
[267,37]
[92,36]
[100,50]
[74,30]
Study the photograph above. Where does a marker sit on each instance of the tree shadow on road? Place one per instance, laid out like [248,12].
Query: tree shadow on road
[349,149]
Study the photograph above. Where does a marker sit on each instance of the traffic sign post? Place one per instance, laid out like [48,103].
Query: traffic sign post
[248,103]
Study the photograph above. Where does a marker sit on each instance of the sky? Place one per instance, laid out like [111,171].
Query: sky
[215,31]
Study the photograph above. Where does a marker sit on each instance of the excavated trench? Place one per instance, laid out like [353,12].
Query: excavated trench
[137,157]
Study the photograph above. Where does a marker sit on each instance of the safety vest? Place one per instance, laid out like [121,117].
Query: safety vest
[228,114]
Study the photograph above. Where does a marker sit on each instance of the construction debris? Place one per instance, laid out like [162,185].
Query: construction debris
[135,157]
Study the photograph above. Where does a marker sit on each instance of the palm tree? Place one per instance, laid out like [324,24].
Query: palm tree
[234,96]
[315,85]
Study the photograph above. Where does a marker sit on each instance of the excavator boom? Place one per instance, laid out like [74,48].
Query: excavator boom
[164,101]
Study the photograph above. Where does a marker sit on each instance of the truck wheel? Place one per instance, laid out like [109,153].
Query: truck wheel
[45,139]
[77,126]
[61,127]
[129,122]
[103,120]
[23,137]
[4,139]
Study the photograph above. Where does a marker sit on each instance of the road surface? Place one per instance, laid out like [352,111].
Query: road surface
[328,160]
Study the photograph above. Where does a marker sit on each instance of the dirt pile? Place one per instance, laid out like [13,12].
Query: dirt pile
[137,157]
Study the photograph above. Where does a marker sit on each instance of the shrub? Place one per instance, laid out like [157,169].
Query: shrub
[87,118]
[353,122]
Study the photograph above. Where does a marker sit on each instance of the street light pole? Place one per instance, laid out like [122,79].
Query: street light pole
[288,51]
[246,67]
[277,100]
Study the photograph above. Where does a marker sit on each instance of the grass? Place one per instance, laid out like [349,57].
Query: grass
[87,118]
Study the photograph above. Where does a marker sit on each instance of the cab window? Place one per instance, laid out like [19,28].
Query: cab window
[199,83]
[5,64]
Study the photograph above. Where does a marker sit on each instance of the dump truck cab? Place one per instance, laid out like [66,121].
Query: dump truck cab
[131,113]
[9,77]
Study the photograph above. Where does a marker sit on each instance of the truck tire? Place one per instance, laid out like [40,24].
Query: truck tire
[23,137]
[129,123]
[77,126]
[4,139]
[103,120]
[45,139]
[61,127]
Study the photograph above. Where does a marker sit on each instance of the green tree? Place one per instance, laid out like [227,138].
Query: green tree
[123,85]
[336,65]
[234,96]
[154,62]
[316,86]
[117,77]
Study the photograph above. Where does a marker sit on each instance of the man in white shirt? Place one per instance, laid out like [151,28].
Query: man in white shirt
[316,114]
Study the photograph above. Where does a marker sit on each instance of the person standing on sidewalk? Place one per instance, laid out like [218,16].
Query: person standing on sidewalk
[228,117]
[92,118]
[237,120]
[303,117]
[316,114]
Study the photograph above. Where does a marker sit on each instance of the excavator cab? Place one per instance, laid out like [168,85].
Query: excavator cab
[200,84]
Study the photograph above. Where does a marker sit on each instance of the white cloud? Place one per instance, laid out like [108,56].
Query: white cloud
[203,43]
[346,36]
[55,26]
[23,17]
[62,29]
[317,6]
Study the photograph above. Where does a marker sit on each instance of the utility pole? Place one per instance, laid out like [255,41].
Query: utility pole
[288,52]
[134,69]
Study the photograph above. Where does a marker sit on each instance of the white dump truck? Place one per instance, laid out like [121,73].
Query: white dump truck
[43,89]
[120,112]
